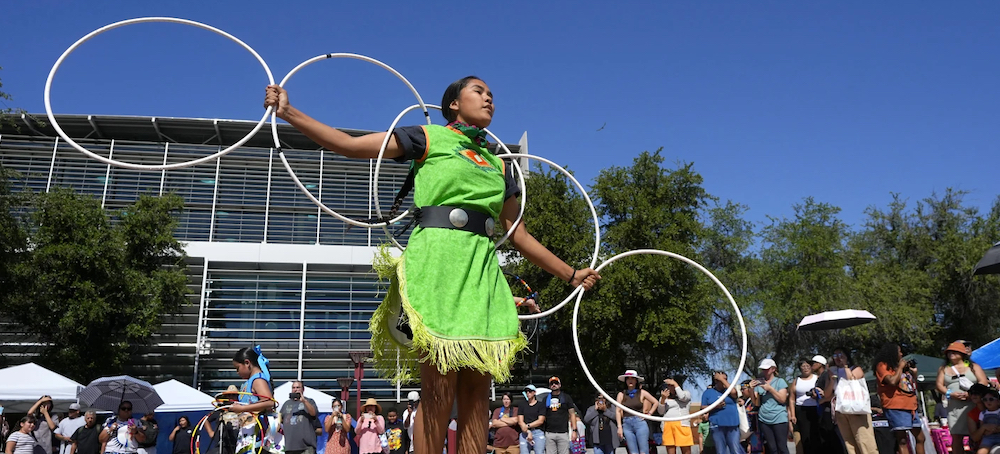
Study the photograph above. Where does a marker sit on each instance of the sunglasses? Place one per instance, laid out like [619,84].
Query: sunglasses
[125,408]
[554,383]
[990,399]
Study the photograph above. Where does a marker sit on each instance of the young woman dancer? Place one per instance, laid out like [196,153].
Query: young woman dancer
[450,266]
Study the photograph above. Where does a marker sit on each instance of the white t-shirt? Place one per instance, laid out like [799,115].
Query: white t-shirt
[802,388]
[413,422]
[66,428]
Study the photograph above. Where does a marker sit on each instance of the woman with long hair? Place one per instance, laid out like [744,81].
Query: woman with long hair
[464,192]
[954,379]
[22,442]
[634,428]
[857,431]
[897,390]
[181,436]
[338,430]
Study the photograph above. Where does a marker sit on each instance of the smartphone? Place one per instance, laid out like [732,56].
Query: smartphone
[294,396]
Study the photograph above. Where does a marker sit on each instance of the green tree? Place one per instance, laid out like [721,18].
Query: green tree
[95,284]
[652,315]
[7,113]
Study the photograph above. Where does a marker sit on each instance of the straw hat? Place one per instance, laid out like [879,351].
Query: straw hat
[372,401]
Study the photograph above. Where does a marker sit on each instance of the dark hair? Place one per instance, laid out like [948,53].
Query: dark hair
[803,361]
[184,418]
[847,356]
[979,389]
[992,392]
[391,410]
[509,396]
[244,354]
[888,354]
[26,418]
[450,94]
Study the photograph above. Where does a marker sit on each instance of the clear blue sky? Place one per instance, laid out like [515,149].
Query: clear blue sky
[773,102]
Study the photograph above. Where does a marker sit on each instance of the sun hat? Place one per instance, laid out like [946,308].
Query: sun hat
[768,363]
[372,401]
[957,347]
[631,373]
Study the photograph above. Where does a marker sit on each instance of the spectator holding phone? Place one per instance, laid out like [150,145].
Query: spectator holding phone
[296,420]
[338,430]
[370,426]
[897,390]
[772,393]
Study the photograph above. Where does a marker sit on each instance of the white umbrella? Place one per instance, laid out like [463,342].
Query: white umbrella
[835,320]
[107,393]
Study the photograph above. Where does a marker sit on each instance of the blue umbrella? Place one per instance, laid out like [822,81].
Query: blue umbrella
[988,356]
[107,393]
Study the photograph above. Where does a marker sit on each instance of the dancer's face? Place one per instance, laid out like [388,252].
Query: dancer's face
[474,104]
[242,369]
[631,382]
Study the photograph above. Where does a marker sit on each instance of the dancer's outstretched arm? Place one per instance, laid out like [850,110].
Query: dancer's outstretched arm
[361,147]
[531,249]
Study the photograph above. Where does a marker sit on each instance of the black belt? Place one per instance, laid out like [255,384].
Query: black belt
[449,217]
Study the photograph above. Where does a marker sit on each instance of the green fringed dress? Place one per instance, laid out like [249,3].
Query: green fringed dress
[449,282]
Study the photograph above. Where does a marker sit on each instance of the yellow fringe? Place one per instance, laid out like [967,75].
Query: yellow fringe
[400,363]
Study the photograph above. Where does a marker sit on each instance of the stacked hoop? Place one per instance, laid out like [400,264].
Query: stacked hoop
[577,292]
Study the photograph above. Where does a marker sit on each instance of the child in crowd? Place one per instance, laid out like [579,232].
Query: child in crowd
[989,422]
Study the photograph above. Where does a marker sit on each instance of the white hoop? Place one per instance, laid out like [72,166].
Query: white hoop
[71,142]
[739,315]
[385,142]
[597,231]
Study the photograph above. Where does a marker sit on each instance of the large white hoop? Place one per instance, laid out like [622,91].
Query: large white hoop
[385,142]
[739,315]
[71,142]
[597,230]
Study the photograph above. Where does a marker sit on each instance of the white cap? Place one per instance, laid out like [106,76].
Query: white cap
[413,395]
[74,406]
[819,359]
[767,363]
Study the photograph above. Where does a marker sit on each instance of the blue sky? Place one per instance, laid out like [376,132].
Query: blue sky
[773,101]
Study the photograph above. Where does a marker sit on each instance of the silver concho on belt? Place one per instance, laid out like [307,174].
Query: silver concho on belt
[458,217]
[489,226]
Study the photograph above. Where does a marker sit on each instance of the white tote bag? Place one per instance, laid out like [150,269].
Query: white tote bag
[744,422]
[852,398]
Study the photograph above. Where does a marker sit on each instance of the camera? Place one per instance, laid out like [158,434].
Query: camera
[294,396]
[912,364]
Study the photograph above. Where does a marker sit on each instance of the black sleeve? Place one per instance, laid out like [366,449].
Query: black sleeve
[412,140]
[511,190]
[568,400]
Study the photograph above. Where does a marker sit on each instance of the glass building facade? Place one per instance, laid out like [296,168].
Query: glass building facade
[266,266]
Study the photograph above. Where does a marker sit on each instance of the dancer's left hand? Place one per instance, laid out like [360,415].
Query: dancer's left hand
[237,408]
[587,276]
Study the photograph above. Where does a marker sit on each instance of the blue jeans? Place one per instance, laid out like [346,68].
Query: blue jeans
[636,434]
[727,439]
[538,439]
[598,449]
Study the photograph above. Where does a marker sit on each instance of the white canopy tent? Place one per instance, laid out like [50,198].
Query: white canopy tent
[180,397]
[324,401]
[22,385]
